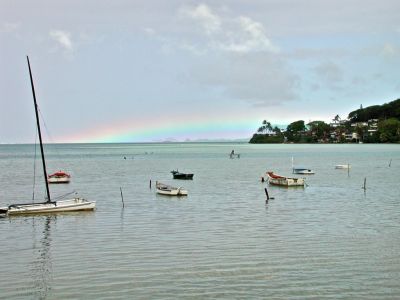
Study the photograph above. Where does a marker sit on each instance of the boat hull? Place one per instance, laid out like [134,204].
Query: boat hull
[185,176]
[59,180]
[303,172]
[287,182]
[164,189]
[342,167]
[76,204]
[284,181]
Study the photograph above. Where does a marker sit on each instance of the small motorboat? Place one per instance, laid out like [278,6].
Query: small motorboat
[275,179]
[178,175]
[165,189]
[343,166]
[302,171]
[59,177]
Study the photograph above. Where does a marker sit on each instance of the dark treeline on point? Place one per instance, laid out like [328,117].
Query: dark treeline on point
[373,124]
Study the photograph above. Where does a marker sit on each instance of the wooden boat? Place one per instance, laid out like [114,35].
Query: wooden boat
[75,204]
[275,179]
[59,177]
[165,189]
[178,175]
[302,171]
[343,166]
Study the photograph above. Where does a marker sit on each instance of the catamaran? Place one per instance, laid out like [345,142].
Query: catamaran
[49,206]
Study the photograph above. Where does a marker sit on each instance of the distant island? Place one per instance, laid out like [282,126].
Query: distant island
[373,124]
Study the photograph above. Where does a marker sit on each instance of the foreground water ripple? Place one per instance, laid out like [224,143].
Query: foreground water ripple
[330,240]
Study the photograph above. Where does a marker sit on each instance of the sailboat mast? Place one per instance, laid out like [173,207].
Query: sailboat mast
[39,133]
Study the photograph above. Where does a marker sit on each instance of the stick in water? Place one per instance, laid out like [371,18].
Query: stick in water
[266,193]
[122,197]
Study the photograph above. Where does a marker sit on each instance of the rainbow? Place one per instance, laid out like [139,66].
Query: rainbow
[161,129]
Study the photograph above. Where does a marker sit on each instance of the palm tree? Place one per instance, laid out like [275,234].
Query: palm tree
[266,127]
[336,119]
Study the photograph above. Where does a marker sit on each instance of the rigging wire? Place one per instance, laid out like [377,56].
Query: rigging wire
[49,135]
[45,126]
[55,149]
[65,195]
[34,171]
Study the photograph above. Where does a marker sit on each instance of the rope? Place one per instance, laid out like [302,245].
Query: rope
[34,171]
[55,148]
[64,196]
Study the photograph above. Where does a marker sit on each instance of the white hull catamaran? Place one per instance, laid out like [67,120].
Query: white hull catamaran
[75,204]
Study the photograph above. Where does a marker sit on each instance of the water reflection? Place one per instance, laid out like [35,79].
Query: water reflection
[42,265]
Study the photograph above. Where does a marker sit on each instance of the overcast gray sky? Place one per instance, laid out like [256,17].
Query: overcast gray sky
[136,71]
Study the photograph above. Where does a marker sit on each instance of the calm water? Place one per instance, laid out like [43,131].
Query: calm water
[330,240]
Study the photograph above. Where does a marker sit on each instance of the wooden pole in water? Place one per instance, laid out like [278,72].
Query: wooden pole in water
[266,193]
[365,183]
[122,197]
[150,184]
[268,197]
[390,163]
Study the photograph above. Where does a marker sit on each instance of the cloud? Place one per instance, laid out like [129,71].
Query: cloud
[149,31]
[329,72]
[63,38]
[204,16]
[240,34]
[9,27]
[233,56]
[389,50]
[260,79]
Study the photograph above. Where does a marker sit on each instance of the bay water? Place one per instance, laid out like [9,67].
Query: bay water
[329,240]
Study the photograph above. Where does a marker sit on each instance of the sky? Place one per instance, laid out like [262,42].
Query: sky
[156,70]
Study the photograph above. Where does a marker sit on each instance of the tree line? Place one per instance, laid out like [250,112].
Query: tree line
[373,124]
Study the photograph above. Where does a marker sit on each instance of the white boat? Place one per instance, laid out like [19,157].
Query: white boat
[302,171]
[75,204]
[343,166]
[59,177]
[49,206]
[275,179]
[165,189]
